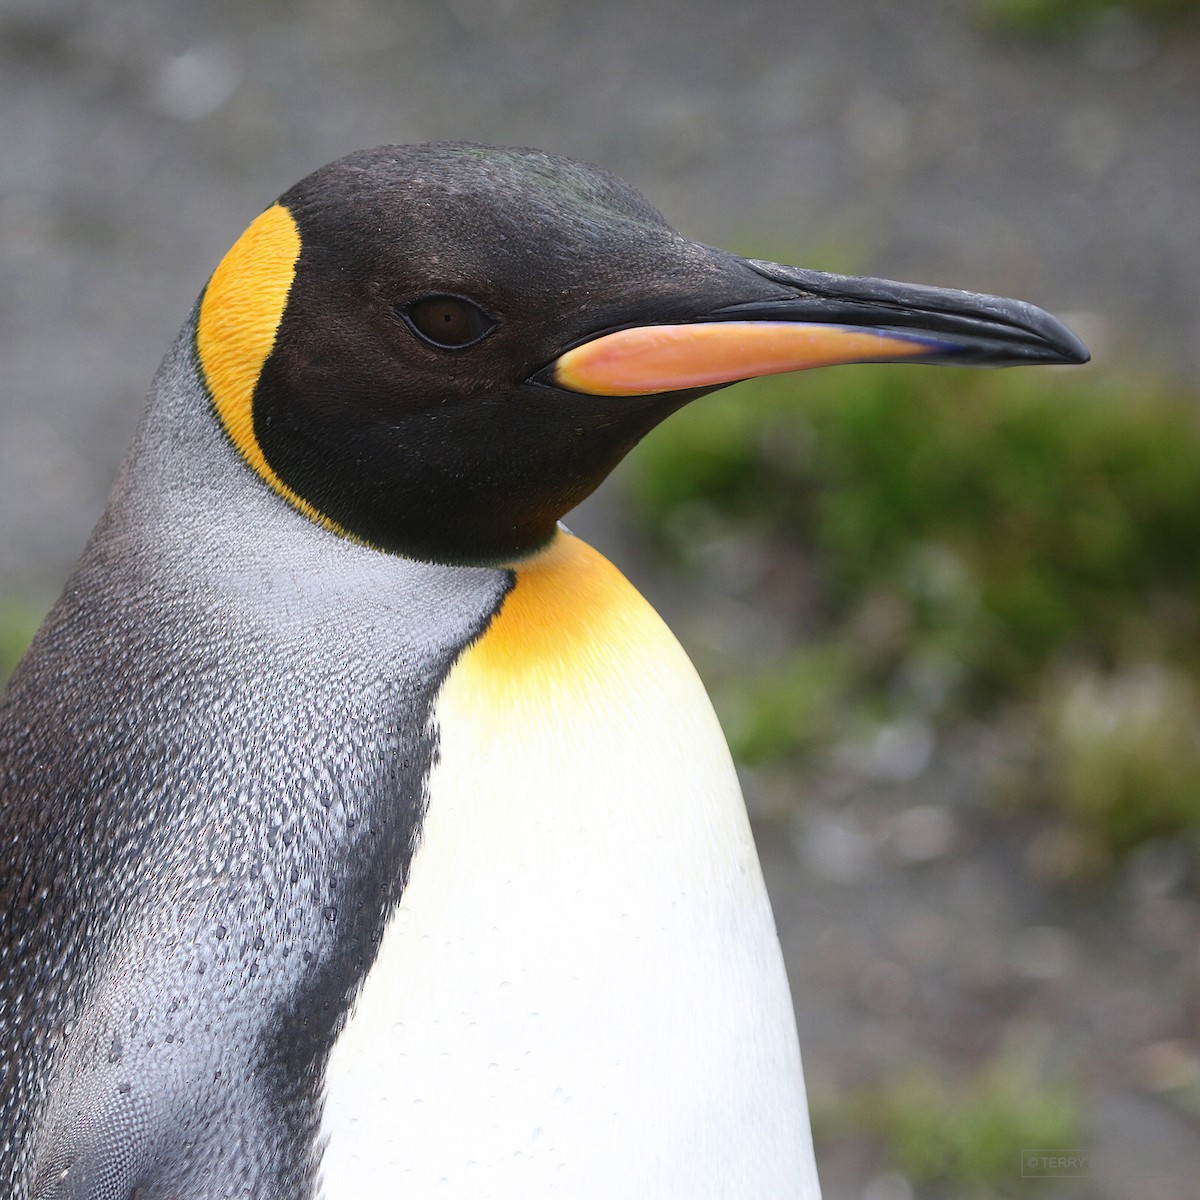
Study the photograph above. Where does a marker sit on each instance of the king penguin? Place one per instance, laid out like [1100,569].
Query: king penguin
[365,834]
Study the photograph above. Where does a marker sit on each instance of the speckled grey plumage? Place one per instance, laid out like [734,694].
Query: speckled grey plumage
[212,763]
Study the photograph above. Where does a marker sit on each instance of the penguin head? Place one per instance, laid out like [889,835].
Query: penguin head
[440,350]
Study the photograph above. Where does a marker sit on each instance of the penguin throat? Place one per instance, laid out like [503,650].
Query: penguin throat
[477,482]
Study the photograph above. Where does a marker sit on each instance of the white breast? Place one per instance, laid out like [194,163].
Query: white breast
[582,994]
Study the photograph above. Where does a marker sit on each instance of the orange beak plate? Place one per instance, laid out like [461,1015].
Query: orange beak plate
[666,358]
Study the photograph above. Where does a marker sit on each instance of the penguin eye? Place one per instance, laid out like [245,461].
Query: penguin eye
[447,322]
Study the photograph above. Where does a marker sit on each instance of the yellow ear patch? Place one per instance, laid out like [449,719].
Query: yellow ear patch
[239,318]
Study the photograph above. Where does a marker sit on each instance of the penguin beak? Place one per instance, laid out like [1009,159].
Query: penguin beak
[819,320]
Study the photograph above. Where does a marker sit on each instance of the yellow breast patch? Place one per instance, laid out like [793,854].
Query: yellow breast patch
[565,624]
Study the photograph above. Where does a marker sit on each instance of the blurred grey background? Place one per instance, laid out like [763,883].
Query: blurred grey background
[914,140]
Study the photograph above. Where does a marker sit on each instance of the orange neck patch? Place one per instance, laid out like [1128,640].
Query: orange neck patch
[567,624]
[239,319]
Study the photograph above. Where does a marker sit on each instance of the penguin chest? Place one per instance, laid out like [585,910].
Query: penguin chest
[581,993]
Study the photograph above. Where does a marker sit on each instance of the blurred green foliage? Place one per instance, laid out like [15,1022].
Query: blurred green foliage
[1126,753]
[959,1138]
[1055,16]
[1025,538]
[19,621]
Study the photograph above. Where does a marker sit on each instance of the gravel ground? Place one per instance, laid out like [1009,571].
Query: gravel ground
[140,136]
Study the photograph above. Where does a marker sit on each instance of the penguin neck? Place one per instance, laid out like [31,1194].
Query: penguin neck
[584,941]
